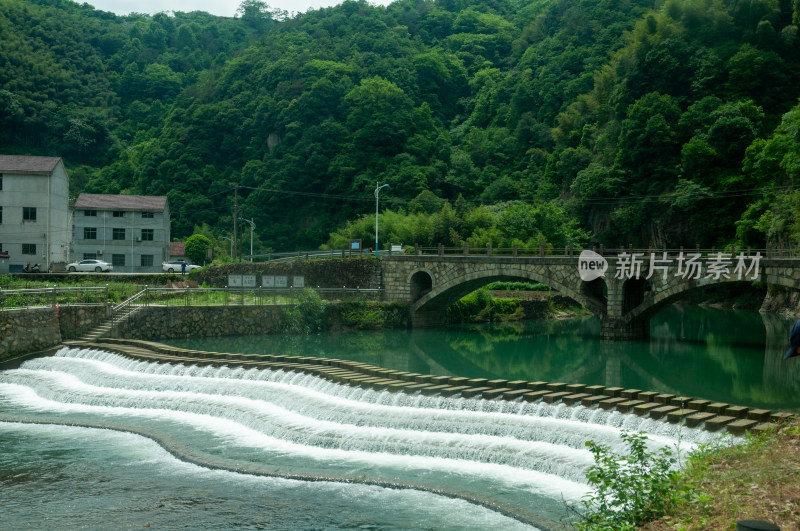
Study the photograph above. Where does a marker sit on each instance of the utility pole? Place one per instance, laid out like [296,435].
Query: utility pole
[252,228]
[235,217]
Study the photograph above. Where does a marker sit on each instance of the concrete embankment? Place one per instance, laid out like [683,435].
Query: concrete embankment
[694,413]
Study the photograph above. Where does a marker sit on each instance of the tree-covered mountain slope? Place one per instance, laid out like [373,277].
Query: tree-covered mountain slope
[550,122]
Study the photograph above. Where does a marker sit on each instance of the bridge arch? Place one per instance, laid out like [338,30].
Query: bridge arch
[595,290]
[653,302]
[634,291]
[442,294]
[420,282]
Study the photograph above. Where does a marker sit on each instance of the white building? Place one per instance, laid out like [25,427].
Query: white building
[129,231]
[34,212]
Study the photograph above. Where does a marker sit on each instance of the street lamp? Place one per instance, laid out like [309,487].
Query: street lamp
[378,188]
[252,226]
[230,240]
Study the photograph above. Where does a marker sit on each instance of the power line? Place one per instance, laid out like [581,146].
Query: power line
[724,194]
[390,200]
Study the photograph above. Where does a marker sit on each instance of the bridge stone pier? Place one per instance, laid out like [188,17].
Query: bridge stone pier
[634,286]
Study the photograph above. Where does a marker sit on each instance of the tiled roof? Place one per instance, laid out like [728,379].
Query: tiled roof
[27,165]
[177,249]
[155,203]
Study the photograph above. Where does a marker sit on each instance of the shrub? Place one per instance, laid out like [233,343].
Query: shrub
[364,318]
[630,489]
[480,305]
[308,315]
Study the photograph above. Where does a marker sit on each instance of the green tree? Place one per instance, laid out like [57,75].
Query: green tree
[196,246]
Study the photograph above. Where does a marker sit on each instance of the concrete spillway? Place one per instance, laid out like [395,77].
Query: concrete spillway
[302,418]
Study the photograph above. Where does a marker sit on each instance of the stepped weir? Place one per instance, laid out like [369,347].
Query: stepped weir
[515,447]
[688,411]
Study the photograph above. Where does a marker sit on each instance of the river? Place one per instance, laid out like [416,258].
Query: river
[173,446]
[731,356]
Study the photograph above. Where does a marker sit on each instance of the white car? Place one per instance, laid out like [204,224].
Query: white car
[97,266]
[174,266]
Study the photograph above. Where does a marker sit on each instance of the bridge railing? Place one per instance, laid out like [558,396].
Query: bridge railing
[465,250]
[543,251]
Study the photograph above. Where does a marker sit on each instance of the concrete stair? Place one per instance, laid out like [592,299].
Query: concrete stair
[106,326]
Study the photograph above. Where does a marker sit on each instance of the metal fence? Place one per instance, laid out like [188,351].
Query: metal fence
[53,296]
[154,296]
[245,296]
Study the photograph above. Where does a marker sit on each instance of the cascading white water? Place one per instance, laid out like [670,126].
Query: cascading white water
[509,451]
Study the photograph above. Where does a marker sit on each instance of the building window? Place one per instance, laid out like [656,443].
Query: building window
[118,213]
[28,213]
[89,233]
[89,256]
[1,181]
[147,260]
[147,235]
[118,234]
[28,248]
[118,260]
[148,215]
[92,213]
[1,214]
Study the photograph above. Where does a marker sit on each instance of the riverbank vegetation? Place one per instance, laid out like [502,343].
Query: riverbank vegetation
[512,301]
[719,485]
[758,480]
[674,125]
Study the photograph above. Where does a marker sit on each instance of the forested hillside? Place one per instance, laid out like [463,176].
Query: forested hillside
[493,121]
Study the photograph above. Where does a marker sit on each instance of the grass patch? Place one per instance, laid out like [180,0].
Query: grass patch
[517,286]
[719,485]
[757,480]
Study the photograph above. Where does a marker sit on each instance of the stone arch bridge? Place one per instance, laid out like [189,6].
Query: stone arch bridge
[635,284]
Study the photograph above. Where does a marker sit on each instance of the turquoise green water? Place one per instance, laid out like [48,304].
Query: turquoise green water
[187,447]
[722,355]
[60,477]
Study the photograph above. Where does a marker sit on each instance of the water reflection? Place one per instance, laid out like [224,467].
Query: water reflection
[722,355]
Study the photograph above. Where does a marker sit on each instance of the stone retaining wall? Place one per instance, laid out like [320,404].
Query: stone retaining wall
[179,322]
[75,321]
[28,330]
[176,322]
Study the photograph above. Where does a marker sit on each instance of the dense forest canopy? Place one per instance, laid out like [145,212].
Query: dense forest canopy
[546,122]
